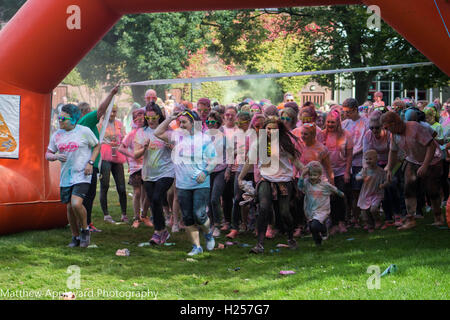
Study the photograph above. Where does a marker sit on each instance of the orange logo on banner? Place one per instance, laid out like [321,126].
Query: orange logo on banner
[7,142]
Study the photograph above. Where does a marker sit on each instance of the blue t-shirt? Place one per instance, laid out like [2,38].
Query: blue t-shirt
[190,157]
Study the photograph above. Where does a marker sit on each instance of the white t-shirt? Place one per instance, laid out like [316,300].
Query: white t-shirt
[157,158]
[276,168]
[317,199]
[191,155]
[77,145]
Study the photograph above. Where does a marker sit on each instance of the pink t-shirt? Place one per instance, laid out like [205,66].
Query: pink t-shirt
[134,165]
[316,152]
[297,131]
[371,194]
[114,134]
[230,146]
[381,146]
[357,130]
[338,148]
[414,143]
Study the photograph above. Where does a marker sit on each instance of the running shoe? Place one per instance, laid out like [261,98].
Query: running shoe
[195,250]
[292,244]
[108,219]
[164,235]
[210,242]
[92,228]
[74,243]
[175,228]
[136,224]
[156,239]
[216,232]
[85,238]
[233,234]
[257,249]
[147,222]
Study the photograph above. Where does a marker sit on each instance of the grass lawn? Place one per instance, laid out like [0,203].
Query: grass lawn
[38,261]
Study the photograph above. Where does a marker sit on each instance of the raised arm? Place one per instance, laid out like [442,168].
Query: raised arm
[161,130]
[105,103]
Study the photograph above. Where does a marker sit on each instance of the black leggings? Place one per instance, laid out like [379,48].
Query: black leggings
[119,177]
[156,192]
[227,197]
[316,229]
[217,180]
[266,207]
[88,201]
[296,206]
[238,192]
[339,205]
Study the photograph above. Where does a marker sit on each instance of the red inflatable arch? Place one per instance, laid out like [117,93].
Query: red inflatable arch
[38,50]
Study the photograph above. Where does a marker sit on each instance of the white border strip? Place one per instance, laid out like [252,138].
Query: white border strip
[274,75]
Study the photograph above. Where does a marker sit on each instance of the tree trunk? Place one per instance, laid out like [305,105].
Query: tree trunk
[362,85]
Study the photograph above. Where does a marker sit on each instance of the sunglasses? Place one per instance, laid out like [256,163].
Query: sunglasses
[151,118]
[61,118]
[243,122]
[372,128]
[290,100]
[211,122]
[307,119]
[285,119]
[308,124]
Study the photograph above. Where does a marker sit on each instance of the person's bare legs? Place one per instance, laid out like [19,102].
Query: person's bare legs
[193,234]
[436,206]
[79,211]
[73,221]
[356,211]
[137,196]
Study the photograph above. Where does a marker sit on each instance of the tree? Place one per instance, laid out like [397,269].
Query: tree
[143,47]
[254,40]
[335,37]
[8,8]
[155,46]
[340,38]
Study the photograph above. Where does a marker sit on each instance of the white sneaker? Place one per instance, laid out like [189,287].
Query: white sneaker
[109,219]
[195,251]
[175,228]
[210,242]
[216,232]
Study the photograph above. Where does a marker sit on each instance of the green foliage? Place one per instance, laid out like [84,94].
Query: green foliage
[8,8]
[254,40]
[329,37]
[144,47]
[340,38]
[73,78]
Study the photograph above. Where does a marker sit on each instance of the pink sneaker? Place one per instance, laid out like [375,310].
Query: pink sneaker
[342,228]
[270,233]
[233,234]
[297,233]
[225,227]
[333,230]
[387,224]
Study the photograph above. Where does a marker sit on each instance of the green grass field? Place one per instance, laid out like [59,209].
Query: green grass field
[37,262]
